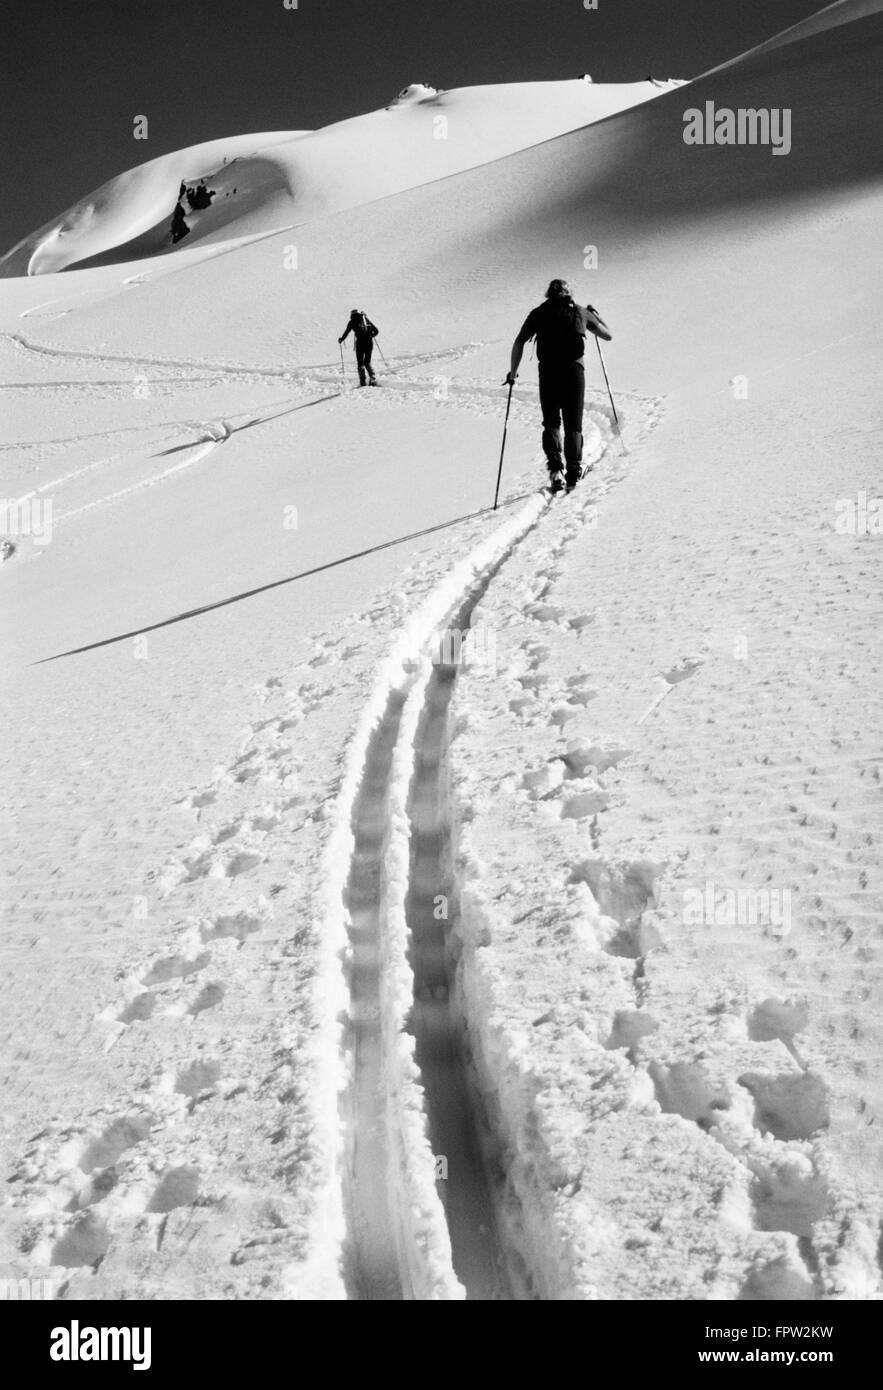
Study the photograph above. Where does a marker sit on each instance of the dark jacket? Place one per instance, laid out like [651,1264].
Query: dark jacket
[361,326]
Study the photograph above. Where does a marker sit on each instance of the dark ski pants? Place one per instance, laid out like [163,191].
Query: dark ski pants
[562,396]
[364,350]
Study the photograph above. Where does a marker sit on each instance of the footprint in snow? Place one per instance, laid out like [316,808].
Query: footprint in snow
[175,968]
[139,1009]
[788,1194]
[99,1187]
[227,832]
[239,863]
[198,800]
[197,1078]
[587,803]
[789,1105]
[583,759]
[208,998]
[544,612]
[122,1134]
[236,925]
[86,1242]
[178,1187]
[684,668]
[629,1027]
[686,1089]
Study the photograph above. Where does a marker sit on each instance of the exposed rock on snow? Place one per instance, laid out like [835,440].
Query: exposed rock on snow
[415,91]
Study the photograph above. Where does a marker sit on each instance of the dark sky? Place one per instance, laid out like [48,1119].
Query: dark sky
[76,72]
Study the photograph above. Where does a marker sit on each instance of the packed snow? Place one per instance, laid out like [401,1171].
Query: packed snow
[407,900]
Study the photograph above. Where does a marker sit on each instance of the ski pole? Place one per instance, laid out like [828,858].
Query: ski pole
[342,367]
[503,445]
[380,350]
[610,394]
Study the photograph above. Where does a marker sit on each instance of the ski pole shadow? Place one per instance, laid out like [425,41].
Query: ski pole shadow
[277,583]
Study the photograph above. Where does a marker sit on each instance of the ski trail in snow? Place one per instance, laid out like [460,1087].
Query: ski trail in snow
[58,308]
[90,467]
[201,450]
[412,1231]
[456,1122]
[75,473]
[371,1257]
[398,1243]
[23,344]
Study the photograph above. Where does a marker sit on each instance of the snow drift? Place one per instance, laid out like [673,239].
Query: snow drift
[268,181]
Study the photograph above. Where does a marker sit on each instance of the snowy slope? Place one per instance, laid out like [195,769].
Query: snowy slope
[679,1112]
[132,212]
[466,253]
[280,179]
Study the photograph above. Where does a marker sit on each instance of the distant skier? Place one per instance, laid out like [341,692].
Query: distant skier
[364,333]
[179,224]
[560,327]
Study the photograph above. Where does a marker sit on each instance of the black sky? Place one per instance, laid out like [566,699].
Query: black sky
[76,72]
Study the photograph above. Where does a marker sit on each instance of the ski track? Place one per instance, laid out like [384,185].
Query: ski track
[457,1124]
[371,1258]
[408,1090]
[395,1113]
[396,1086]
[52,308]
[470,396]
[200,452]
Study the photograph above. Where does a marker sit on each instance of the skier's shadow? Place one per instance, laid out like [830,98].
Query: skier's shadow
[277,583]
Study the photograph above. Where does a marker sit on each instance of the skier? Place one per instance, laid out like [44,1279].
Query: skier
[364,333]
[179,225]
[560,327]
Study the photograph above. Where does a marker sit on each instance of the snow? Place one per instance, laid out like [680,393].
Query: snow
[281,179]
[225,716]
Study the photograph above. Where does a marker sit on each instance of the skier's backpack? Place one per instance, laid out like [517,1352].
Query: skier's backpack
[562,335]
